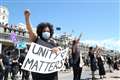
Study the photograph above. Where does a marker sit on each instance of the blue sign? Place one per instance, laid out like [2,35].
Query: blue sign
[21,45]
[58,28]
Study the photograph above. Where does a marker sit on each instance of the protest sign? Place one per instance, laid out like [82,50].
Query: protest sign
[13,37]
[41,59]
[21,45]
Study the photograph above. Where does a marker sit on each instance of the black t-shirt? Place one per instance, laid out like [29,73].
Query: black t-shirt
[48,43]
[109,60]
[92,57]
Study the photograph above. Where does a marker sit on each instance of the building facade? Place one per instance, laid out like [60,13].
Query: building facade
[4,15]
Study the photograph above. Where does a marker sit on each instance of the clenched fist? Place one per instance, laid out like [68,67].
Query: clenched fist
[27,13]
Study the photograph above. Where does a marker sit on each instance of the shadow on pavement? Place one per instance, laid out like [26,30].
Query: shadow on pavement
[115,77]
[90,79]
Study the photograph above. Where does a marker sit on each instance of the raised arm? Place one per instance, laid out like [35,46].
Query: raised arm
[78,39]
[96,50]
[32,36]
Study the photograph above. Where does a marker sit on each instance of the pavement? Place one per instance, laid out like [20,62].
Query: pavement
[86,75]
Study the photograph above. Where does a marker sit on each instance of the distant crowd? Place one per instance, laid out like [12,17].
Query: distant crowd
[13,28]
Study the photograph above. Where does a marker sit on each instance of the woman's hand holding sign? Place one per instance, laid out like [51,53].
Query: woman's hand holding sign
[55,50]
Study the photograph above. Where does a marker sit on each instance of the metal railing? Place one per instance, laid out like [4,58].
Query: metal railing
[5,35]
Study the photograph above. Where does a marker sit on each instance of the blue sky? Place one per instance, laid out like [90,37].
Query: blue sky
[97,19]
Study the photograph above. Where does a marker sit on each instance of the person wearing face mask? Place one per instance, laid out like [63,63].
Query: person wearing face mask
[44,37]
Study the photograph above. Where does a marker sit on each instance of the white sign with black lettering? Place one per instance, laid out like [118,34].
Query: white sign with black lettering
[41,59]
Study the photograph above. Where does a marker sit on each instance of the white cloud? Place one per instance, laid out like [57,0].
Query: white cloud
[107,43]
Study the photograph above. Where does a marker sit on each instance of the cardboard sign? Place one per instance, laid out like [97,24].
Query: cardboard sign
[41,59]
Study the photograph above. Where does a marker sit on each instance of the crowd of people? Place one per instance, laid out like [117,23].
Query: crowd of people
[95,60]
[13,28]
[11,64]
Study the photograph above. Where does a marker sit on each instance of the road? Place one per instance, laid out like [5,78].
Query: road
[86,75]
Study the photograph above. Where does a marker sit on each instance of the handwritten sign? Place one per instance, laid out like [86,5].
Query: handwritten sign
[41,59]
